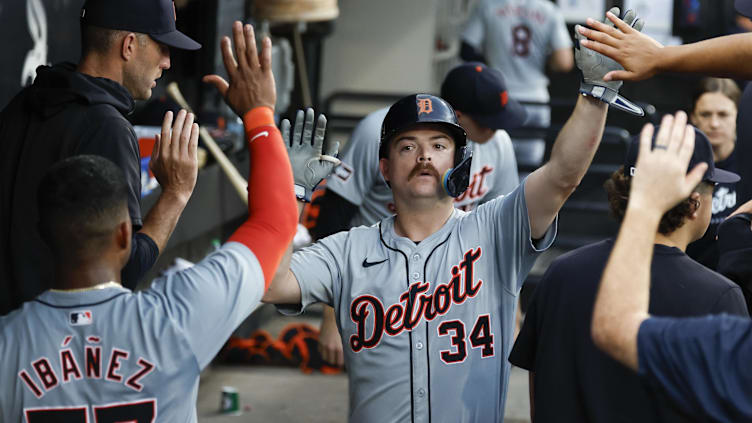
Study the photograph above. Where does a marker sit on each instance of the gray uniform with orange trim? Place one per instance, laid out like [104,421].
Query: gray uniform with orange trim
[426,327]
[110,355]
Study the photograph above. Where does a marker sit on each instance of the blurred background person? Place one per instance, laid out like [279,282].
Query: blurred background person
[521,38]
[713,111]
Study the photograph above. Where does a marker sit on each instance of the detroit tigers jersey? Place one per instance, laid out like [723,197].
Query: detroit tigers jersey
[110,355]
[426,327]
[516,37]
[358,180]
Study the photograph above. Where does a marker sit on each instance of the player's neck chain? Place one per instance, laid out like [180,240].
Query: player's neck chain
[104,285]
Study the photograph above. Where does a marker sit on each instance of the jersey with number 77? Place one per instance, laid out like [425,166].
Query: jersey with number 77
[426,327]
[109,355]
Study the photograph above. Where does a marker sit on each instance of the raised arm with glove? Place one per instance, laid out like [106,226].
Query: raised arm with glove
[594,66]
[309,167]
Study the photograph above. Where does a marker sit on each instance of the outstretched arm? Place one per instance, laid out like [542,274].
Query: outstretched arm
[174,164]
[284,287]
[272,214]
[642,57]
[305,146]
[549,186]
[660,182]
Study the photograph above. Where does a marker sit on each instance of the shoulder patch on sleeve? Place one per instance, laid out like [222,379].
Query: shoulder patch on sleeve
[343,171]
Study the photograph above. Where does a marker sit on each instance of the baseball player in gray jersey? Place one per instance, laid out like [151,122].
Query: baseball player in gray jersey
[425,299]
[520,37]
[480,99]
[91,350]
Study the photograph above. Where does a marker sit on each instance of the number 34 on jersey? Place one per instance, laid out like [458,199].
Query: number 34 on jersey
[417,304]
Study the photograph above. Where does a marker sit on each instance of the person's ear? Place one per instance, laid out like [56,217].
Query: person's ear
[128,46]
[694,204]
[123,235]
[384,169]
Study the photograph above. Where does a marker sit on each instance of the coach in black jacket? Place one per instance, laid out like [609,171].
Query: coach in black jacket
[80,109]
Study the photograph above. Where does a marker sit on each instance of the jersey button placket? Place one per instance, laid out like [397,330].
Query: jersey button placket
[419,358]
[415,267]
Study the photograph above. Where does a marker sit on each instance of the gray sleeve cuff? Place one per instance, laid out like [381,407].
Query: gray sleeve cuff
[289,309]
[543,244]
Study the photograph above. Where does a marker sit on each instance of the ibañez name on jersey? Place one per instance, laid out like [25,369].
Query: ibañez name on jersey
[90,364]
[414,304]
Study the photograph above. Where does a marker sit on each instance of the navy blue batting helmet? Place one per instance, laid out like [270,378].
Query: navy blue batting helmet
[417,109]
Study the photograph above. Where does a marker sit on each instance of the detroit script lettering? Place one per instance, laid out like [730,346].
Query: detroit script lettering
[414,305]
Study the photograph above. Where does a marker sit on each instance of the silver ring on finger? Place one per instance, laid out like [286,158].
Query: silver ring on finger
[660,147]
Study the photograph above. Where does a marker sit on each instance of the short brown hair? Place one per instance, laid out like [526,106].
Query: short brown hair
[617,188]
[98,40]
[724,86]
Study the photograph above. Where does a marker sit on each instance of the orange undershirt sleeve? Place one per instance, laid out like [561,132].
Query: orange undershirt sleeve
[272,209]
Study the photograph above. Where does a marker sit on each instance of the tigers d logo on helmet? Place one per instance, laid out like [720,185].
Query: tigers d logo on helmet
[424,105]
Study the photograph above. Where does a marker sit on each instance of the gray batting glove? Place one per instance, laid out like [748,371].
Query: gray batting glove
[594,66]
[309,166]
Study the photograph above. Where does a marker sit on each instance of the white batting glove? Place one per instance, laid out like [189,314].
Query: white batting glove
[309,166]
[594,66]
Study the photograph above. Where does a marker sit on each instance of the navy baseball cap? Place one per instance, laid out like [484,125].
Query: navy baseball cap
[479,91]
[744,7]
[703,153]
[153,17]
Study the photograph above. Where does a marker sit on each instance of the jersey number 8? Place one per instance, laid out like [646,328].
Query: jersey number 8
[521,40]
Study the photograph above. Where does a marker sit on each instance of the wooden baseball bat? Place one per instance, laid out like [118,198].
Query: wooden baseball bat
[236,179]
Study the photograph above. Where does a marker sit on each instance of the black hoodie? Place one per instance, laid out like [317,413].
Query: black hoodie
[63,113]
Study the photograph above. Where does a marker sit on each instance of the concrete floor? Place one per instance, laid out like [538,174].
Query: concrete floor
[279,394]
[274,394]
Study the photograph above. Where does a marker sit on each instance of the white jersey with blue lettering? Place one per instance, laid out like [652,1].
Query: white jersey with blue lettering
[358,180]
[426,327]
[516,37]
[111,355]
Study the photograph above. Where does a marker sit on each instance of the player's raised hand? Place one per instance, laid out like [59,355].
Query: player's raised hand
[594,66]
[305,146]
[251,80]
[661,179]
[636,52]
[174,159]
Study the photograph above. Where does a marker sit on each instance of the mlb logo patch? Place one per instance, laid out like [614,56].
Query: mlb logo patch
[80,318]
[343,171]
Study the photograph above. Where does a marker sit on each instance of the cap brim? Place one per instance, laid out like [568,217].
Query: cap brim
[512,116]
[724,177]
[744,7]
[176,39]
